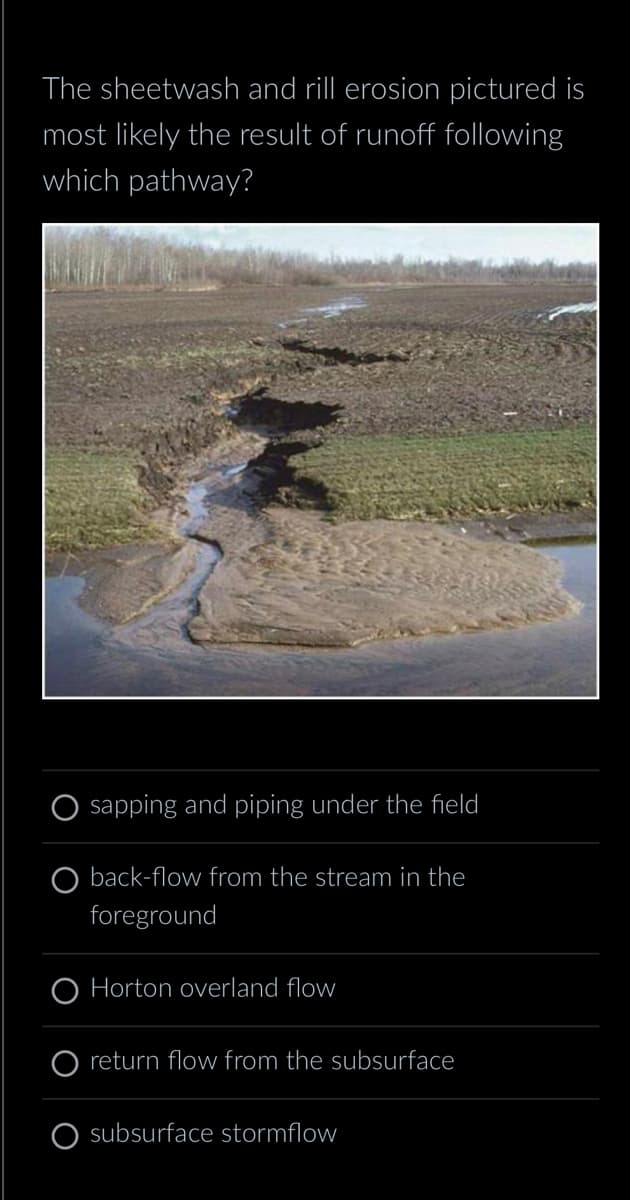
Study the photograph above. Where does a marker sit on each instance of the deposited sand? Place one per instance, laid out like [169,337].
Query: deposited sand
[308,582]
[125,580]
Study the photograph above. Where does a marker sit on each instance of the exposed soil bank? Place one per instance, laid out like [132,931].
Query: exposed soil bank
[533,527]
[310,583]
[338,354]
[266,413]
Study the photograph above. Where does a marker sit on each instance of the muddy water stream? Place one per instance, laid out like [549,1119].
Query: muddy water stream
[334,309]
[567,310]
[171,615]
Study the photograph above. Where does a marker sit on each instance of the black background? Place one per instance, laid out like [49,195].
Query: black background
[494,1145]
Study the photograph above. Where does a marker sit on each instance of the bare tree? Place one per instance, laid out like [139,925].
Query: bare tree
[100,257]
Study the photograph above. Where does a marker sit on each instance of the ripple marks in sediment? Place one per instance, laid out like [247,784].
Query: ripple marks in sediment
[316,584]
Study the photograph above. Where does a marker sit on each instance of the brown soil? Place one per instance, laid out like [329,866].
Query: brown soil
[534,527]
[147,369]
[313,584]
[123,581]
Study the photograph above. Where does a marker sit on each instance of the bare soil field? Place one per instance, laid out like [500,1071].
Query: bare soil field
[132,369]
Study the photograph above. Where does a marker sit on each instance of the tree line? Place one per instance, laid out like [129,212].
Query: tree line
[103,258]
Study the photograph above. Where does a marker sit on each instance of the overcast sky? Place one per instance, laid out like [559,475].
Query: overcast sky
[561,242]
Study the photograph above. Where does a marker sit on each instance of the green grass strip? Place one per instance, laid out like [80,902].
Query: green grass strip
[418,476]
[93,499]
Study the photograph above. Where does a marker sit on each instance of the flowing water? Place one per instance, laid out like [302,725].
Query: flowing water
[334,309]
[586,307]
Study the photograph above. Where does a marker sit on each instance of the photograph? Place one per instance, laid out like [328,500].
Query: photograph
[320,460]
